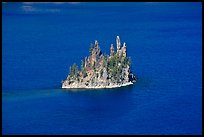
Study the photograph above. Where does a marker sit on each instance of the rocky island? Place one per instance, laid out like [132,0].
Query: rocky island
[100,70]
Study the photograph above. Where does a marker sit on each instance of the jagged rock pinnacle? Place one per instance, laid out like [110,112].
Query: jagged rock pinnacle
[118,42]
[96,42]
[111,50]
[124,50]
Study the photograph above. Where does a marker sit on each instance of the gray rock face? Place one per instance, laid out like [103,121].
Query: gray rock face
[111,50]
[105,75]
[124,50]
[118,43]
[126,72]
[99,71]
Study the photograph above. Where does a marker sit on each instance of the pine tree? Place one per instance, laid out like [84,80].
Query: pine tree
[82,64]
[91,48]
[73,70]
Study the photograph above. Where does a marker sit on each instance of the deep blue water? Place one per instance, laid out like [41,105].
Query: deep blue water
[40,41]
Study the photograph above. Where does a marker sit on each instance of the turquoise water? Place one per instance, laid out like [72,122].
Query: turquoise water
[41,40]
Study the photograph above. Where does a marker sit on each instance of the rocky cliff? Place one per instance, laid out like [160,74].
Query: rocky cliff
[102,71]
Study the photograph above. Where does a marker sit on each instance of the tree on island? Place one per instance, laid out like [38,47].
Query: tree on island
[73,73]
[90,49]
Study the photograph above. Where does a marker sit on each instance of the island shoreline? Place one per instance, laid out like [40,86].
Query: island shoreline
[98,87]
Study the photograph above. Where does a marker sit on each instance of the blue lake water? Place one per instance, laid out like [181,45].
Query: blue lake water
[41,40]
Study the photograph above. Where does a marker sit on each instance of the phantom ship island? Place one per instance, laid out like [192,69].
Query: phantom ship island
[102,71]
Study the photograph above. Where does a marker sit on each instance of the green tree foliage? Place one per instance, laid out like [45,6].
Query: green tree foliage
[115,67]
[91,48]
[112,67]
[112,62]
[82,64]
[125,61]
[84,74]
[83,70]
[73,70]
[105,60]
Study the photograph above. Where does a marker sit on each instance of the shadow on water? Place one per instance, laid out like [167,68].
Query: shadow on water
[113,94]
[77,107]
[57,90]
[119,100]
[106,102]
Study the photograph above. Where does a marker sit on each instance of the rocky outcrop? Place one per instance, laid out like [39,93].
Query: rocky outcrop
[118,43]
[111,50]
[102,71]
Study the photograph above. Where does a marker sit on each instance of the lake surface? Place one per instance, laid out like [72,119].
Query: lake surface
[40,41]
